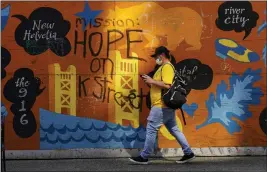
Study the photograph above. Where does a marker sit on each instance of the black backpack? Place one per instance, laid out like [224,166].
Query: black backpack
[175,96]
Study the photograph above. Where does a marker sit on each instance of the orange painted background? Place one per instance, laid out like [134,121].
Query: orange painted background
[188,29]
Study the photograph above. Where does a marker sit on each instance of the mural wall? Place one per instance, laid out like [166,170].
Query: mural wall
[70,72]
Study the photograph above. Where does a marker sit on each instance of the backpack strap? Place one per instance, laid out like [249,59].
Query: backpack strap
[163,90]
[162,68]
[183,115]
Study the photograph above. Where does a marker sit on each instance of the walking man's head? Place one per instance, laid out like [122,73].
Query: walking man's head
[161,55]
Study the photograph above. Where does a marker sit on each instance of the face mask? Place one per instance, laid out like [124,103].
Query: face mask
[159,61]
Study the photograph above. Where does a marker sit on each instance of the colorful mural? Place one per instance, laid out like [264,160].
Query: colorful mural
[71,78]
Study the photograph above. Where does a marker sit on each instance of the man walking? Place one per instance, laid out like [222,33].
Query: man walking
[160,114]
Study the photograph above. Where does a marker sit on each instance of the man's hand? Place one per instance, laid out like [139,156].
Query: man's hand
[148,79]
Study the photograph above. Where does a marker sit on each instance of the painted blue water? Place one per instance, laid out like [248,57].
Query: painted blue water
[58,131]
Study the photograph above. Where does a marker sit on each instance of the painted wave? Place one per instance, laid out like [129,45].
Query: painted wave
[99,138]
[58,131]
[63,129]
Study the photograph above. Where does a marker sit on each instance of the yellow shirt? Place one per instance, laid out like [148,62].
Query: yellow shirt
[167,74]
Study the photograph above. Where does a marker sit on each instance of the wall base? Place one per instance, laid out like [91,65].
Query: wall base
[119,153]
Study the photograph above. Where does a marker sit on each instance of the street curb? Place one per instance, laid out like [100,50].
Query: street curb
[124,153]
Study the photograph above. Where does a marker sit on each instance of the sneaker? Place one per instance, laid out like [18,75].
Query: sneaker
[139,160]
[186,158]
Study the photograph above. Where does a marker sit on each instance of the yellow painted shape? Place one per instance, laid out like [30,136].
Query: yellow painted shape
[126,68]
[54,87]
[164,131]
[231,44]
[62,89]
[239,57]
[72,92]
[228,43]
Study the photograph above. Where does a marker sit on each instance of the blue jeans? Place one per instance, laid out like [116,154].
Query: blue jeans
[157,117]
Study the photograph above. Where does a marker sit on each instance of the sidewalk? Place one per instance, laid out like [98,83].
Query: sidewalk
[207,164]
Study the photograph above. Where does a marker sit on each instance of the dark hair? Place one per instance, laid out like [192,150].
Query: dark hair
[171,58]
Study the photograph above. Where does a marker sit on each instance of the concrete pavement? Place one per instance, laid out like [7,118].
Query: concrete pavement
[207,164]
